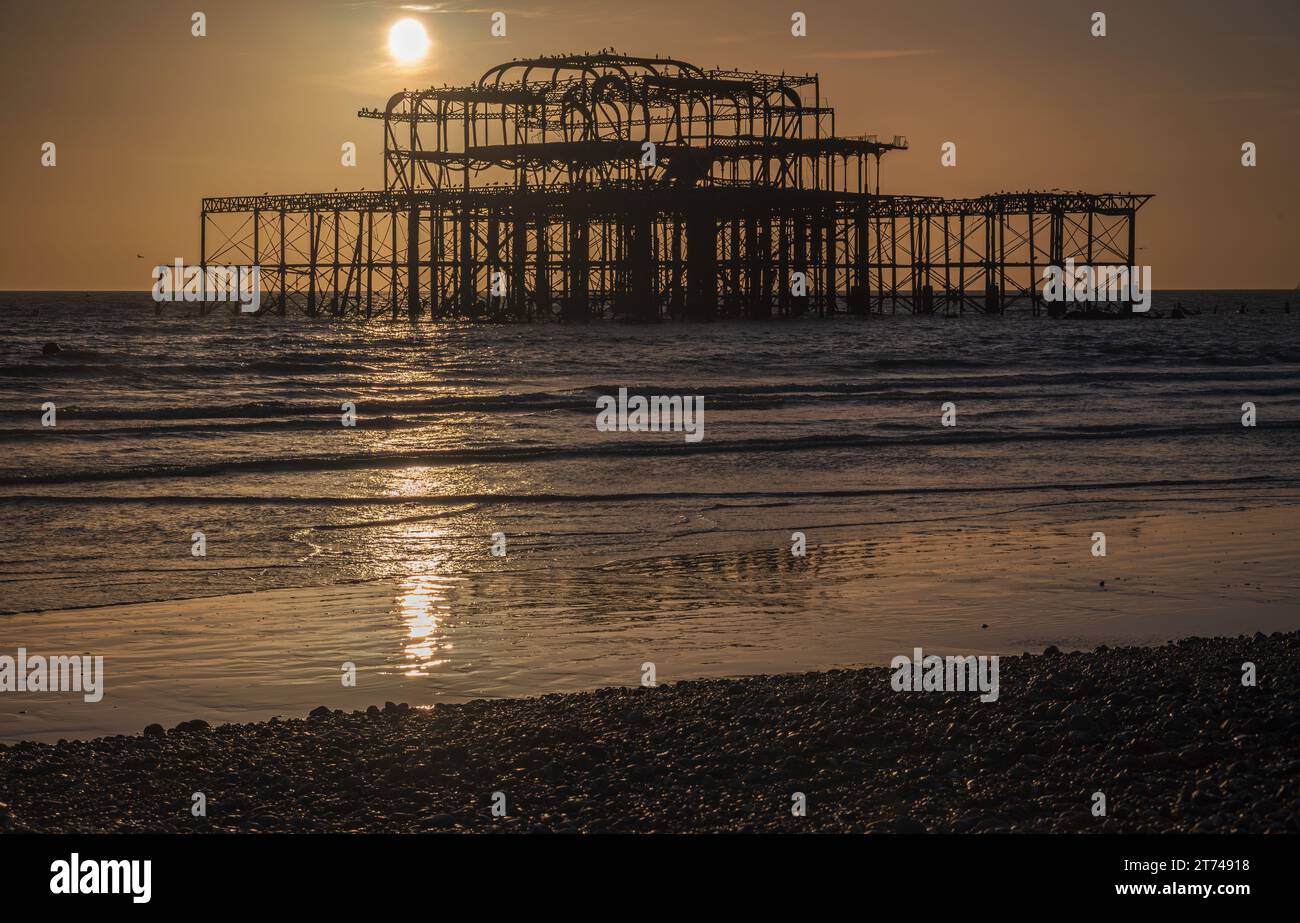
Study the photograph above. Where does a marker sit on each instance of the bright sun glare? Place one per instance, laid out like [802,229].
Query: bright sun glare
[407,41]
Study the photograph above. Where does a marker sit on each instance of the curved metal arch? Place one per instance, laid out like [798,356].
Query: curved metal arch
[569,103]
[609,80]
[586,62]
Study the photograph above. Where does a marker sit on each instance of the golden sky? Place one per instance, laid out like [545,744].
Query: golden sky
[149,119]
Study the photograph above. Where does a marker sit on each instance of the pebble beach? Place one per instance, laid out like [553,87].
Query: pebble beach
[1169,735]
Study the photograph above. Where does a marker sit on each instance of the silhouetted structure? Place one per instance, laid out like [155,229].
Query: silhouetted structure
[533,194]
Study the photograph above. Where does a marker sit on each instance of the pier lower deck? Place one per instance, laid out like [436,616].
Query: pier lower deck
[649,253]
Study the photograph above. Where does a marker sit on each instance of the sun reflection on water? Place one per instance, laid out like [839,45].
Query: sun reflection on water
[423,609]
[425,545]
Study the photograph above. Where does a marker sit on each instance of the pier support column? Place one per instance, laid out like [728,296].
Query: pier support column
[370,264]
[468,271]
[435,247]
[517,299]
[832,276]
[494,304]
[860,295]
[542,272]
[336,307]
[760,306]
[284,271]
[576,305]
[313,239]
[203,258]
[799,305]
[677,293]
[783,267]
[413,263]
[1033,266]
[1131,217]
[642,305]
[392,264]
[701,263]
[765,266]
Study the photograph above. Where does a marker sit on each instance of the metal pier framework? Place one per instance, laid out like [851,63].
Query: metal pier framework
[606,186]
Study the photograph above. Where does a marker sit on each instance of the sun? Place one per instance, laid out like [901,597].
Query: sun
[407,41]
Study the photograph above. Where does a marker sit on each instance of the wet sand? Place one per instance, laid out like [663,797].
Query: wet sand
[1207,569]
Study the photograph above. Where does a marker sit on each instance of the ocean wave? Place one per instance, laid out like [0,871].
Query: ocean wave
[463,502]
[1172,383]
[638,448]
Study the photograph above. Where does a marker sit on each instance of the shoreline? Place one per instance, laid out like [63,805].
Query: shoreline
[1169,734]
[440,635]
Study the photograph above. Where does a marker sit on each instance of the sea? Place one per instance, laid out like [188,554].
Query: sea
[462,464]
